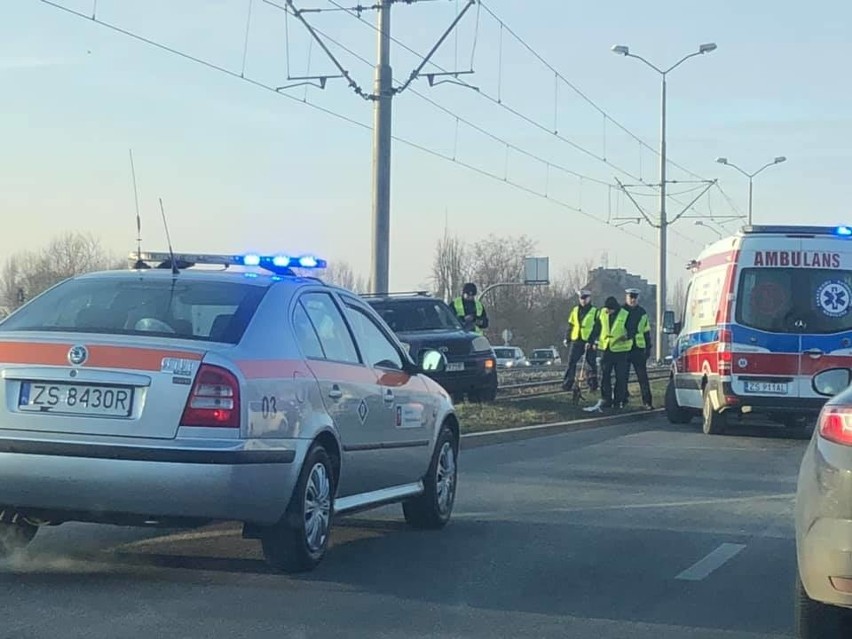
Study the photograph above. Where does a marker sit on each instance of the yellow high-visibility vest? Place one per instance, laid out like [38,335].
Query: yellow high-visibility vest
[644,327]
[458,303]
[614,334]
[582,331]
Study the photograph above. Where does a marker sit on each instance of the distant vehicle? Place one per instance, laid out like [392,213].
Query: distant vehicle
[766,310]
[155,397]
[510,357]
[545,357]
[424,323]
[824,515]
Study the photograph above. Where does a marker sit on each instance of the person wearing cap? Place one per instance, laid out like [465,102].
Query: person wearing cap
[470,311]
[615,348]
[639,331]
[583,331]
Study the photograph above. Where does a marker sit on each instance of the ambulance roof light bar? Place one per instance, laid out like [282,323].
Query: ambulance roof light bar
[276,264]
[837,231]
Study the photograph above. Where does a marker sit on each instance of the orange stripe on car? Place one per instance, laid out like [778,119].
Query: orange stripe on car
[100,356]
[272,368]
[321,369]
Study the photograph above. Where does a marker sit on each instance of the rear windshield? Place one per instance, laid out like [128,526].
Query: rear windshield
[214,311]
[426,315]
[795,300]
[504,353]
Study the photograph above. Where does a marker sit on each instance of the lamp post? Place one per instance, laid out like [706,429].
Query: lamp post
[751,176]
[663,222]
[707,226]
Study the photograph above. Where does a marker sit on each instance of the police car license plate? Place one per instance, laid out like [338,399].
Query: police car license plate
[76,399]
[455,366]
[767,388]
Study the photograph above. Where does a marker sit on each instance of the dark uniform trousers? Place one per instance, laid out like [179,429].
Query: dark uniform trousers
[618,363]
[638,358]
[575,353]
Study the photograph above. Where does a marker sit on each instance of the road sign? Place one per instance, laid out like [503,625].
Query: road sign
[536,270]
[507,335]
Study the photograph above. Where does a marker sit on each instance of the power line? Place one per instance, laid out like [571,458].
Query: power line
[577,90]
[475,127]
[497,100]
[215,67]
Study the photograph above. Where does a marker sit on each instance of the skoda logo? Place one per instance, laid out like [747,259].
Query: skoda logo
[77,355]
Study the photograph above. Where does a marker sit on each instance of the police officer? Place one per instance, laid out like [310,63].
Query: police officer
[615,349]
[639,331]
[583,330]
[470,310]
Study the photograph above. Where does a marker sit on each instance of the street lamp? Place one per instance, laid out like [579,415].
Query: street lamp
[663,223]
[707,226]
[750,176]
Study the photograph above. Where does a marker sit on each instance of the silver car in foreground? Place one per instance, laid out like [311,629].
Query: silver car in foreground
[177,395]
[824,516]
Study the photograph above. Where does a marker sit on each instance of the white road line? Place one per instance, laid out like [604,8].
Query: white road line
[715,560]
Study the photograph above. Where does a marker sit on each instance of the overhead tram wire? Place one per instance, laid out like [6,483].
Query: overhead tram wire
[215,67]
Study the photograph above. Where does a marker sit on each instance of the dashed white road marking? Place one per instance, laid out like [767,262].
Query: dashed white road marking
[715,560]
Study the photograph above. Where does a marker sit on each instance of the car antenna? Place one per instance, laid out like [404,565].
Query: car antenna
[175,270]
[139,263]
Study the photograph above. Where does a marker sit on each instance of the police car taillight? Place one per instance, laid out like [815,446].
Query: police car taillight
[835,425]
[214,401]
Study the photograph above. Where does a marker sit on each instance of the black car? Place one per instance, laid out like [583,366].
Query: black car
[425,322]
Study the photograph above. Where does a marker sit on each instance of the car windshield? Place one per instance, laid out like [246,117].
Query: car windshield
[795,300]
[542,354]
[189,309]
[413,316]
[504,353]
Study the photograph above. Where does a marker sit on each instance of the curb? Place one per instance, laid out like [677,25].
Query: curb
[520,433]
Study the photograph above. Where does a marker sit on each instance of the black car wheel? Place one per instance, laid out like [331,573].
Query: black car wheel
[674,413]
[713,422]
[298,542]
[816,620]
[434,507]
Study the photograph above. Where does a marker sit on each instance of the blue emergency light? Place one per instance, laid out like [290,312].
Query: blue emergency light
[845,231]
[277,264]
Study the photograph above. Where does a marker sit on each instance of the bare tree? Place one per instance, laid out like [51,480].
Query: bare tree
[677,297]
[28,274]
[450,266]
[343,275]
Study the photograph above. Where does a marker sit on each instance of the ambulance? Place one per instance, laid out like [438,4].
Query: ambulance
[766,310]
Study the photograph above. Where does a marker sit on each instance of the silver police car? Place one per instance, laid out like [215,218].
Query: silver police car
[199,388]
[824,516]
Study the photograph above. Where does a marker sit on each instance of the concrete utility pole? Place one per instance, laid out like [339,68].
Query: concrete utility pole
[382,98]
[382,128]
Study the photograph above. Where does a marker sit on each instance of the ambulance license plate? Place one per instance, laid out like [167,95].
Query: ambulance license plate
[766,388]
[455,367]
[75,399]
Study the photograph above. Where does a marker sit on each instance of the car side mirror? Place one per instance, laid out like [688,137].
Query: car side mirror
[830,382]
[433,361]
[670,326]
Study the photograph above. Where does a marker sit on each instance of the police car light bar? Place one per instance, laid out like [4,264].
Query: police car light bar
[272,263]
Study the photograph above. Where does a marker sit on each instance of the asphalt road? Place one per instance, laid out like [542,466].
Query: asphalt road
[638,530]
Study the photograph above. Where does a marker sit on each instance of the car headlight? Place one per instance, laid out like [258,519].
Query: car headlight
[481,344]
[509,364]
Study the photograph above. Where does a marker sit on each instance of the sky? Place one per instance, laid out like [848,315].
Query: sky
[241,167]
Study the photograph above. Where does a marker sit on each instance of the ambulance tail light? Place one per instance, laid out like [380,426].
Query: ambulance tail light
[835,425]
[725,352]
[214,401]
